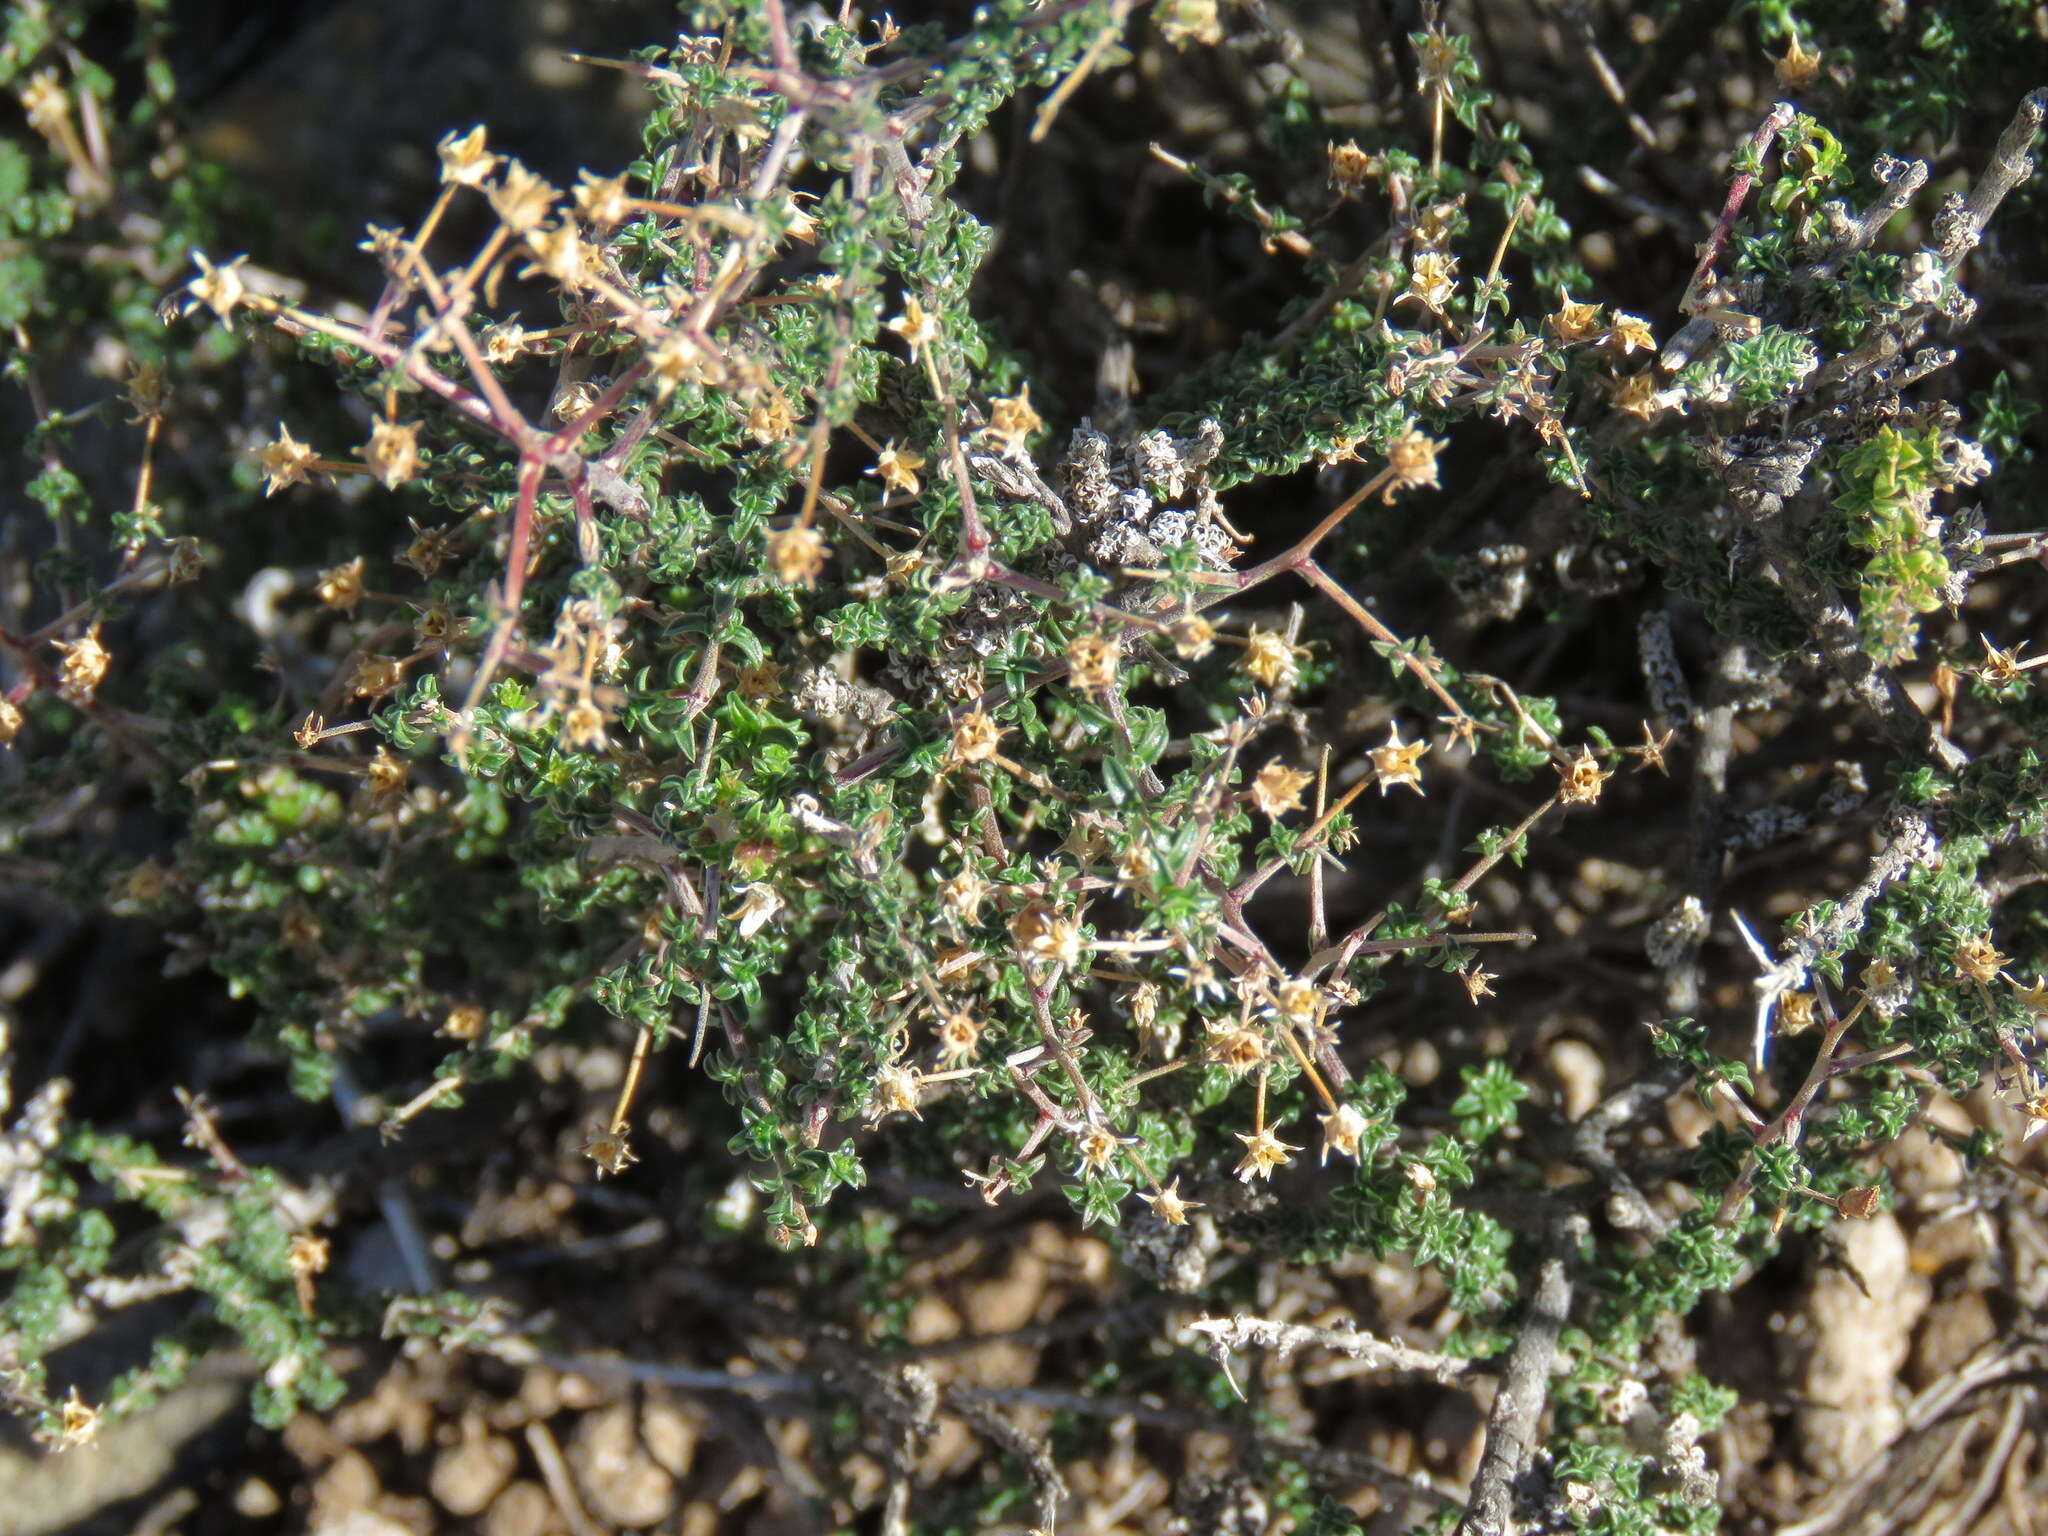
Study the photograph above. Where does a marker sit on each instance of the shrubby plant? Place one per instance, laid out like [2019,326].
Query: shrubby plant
[742,649]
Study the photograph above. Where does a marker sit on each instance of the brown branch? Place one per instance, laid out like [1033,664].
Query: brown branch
[1959,230]
[1221,1335]
[1524,1390]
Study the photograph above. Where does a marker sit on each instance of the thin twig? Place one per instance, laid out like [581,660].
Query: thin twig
[1221,1335]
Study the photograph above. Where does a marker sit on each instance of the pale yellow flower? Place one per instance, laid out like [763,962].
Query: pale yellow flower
[464,160]
[1277,789]
[1011,421]
[286,462]
[918,329]
[1581,778]
[797,554]
[221,288]
[341,587]
[1091,660]
[1573,321]
[1342,1128]
[898,468]
[1398,762]
[1168,1204]
[1270,659]
[520,198]
[1263,1153]
[393,452]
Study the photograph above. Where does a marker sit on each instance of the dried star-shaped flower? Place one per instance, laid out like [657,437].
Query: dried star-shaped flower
[1270,659]
[898,468]
[1167,1204]
[1342,1129]
[606,1147]
[341,587]
[1652,750]
[601,201]
[1098,1146]
[1433,279]
[1478,982]
[583,726]
[1977,959]
[1412,458]
[1238,1049]
[374,676]
[387,245]
[918,329]
[1091,662]
[771,421]
[559,252]
[1436,62]
[2034,999]
[678,359]
[286,462]
[464,160]
[1573,321]
[1398,762]
[2035,1108]
[1193,637]
[896,1093]
[975,738]
[1011,421]
[85,664]
[1581,778]
[1263,1153]
[1637,395]
[504,343]
[1631,334]
[963,896]
[739,116]
[430,549]
[1795,1013]
[760,682]
[959,1033]
[1437,222]
[1277,789]
[797,554]
[1298,1000]
[393,452]
[1350,166]
[1084,842]
[1044,934]
[79,1421]
[760,903]
[1343,451]
[1796,70]
[385,774]
[220,289]
[148,393]
[520,198]
[2002,667]
[188,558]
